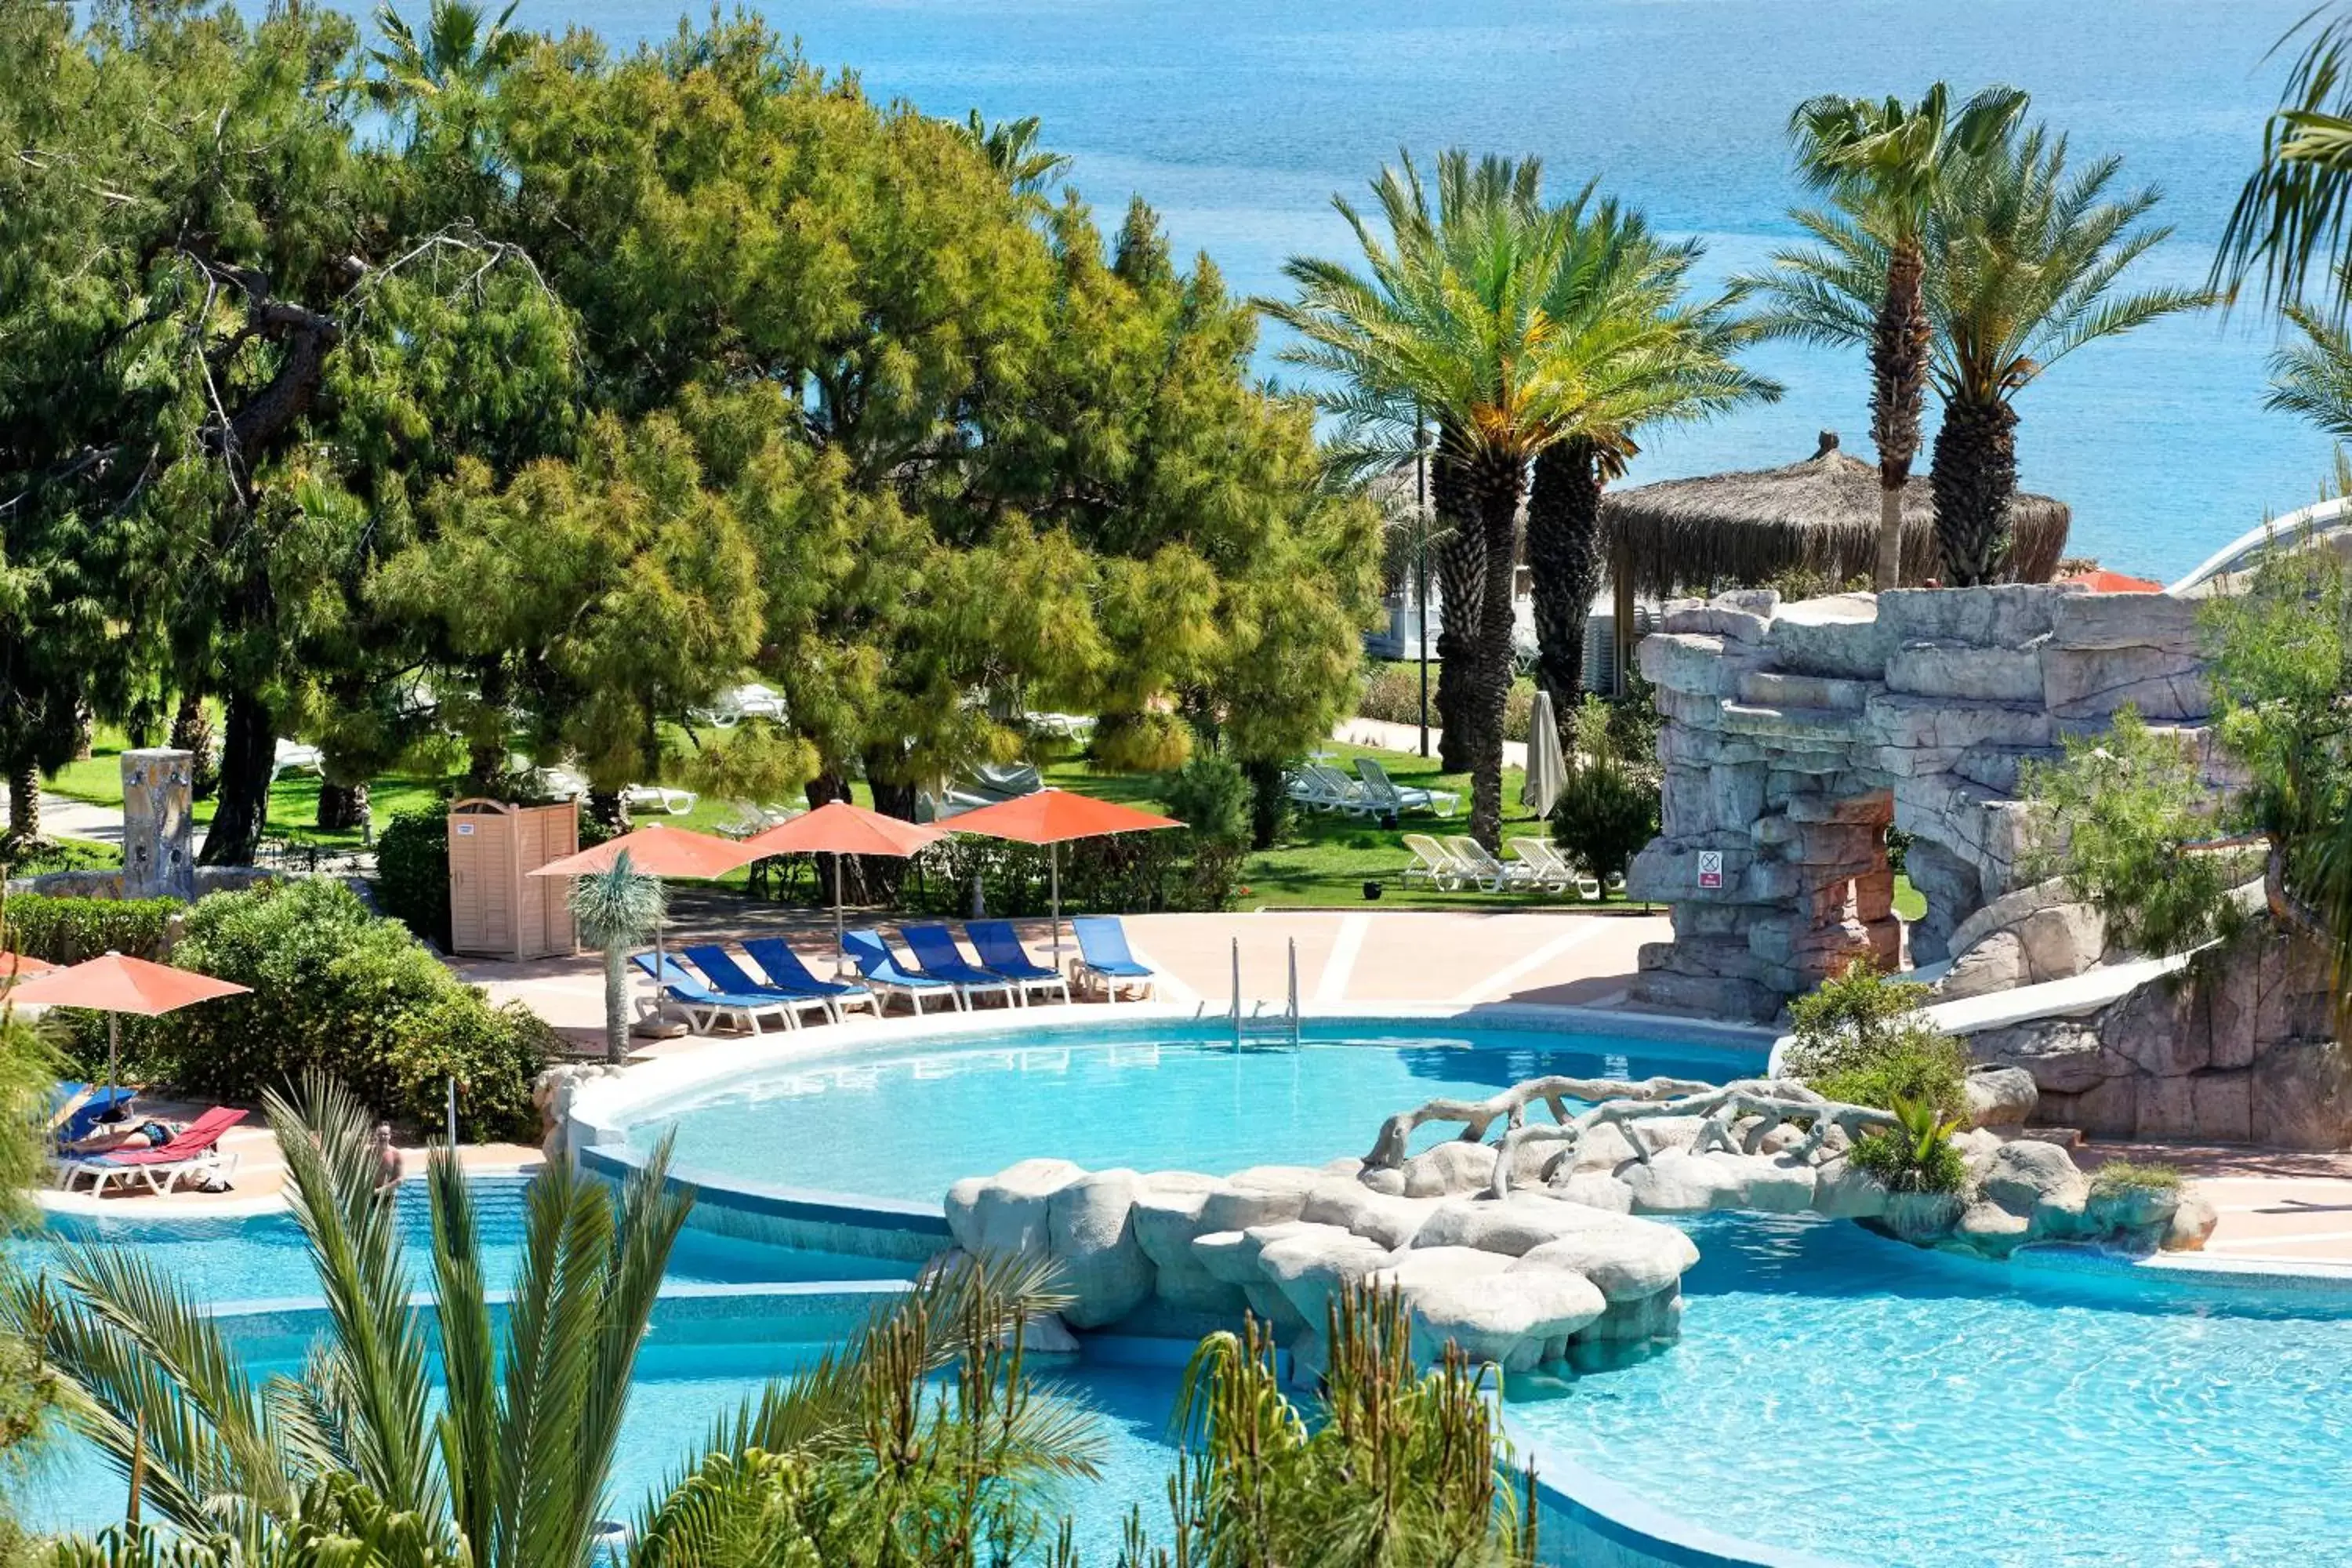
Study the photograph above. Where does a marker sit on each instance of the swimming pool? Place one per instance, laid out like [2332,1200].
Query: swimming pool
[907,1123]
[1842,1394]
[263,1257]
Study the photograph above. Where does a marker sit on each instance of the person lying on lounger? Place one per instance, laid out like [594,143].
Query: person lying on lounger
[121,1130]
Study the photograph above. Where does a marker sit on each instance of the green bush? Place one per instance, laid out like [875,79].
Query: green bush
[1915,1156]
[1211,795]
[412,872]
[2132,1175]
[1391,693]
[66,931]
[1860,1038]
[1127,873]
[343,990]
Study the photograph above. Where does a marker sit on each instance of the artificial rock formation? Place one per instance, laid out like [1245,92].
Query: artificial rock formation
[1797,734]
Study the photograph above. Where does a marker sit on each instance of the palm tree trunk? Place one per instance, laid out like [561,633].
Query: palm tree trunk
[1898,397]
[1564,550]
[1461,571]
[24,805]
[617,1002]
[341,807]
[1495,484]
[249,752]
[1974,474]
[609,808]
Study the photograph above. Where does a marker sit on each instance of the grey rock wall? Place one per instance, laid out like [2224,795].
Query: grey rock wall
[1796,734]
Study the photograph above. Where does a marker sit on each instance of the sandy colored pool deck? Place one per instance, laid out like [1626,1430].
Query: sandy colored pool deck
[2276,1208]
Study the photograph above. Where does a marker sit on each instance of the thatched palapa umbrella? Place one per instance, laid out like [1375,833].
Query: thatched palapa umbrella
[1722,530]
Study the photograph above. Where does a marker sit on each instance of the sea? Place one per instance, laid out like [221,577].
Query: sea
[1240,119]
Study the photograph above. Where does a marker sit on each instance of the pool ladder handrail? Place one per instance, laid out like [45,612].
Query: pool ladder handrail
[1285,1025]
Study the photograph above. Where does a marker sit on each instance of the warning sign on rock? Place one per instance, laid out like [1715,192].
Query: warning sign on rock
[1710,868]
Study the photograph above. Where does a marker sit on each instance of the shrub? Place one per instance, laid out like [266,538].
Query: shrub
[1917,1155]
[1391,693]
[66,931]
[345,992]
[1860,1039]
[2132,1175]
[1607,807]
[1210,796]
[412,872]
[1128,873]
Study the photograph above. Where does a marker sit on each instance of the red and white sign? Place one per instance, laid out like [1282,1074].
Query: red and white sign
[1711,869]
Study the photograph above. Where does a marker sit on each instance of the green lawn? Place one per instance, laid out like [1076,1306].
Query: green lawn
[1326,859]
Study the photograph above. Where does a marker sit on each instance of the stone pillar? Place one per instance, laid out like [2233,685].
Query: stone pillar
[158,825]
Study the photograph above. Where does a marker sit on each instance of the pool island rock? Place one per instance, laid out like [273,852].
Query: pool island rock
[1523,1250]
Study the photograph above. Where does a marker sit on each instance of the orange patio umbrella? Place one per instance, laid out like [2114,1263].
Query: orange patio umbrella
[1053,817]
[656,850]
[114,985]
[19,967]
[838,828]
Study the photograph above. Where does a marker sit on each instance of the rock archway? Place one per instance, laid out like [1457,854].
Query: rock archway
[1797,734]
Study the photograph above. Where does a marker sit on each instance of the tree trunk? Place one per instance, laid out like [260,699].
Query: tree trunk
[85,730]
[1460,559]
[881,875]
[342,808]
[249,752]
[1564,550]
[617,1002]
[1899,350]
[609,808]
[486,758]
[1269,802]
[24,806]
[1497,484]
[1974,474]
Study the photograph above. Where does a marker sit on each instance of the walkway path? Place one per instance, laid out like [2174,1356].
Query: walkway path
[63,817]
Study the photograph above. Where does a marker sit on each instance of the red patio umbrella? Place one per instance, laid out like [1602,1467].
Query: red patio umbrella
[115,986]
[657,850]
[1053,817]
[838,828]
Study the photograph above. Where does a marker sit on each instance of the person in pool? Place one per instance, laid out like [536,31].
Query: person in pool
[121,1130]
[388,1166]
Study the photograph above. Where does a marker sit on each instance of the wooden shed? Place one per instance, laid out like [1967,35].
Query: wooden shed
[496,907]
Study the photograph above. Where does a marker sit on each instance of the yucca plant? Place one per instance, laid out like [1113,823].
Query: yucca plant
[616,909]
[354,1462]
[1401,1469]
[1915,1155]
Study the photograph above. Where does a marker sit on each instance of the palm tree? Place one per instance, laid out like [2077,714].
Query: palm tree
[1656,359]
[1453,314]
[2294,212]
[1011,148]
[358,1460]
[616,909]
[2312,377]
[1884,162]
[458,51]
[2025,257]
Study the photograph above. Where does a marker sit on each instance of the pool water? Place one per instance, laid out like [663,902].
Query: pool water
[1838,1392]
[265,1258]
[910,1124]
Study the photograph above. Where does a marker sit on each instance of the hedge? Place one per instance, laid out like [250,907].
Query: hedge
[66,931]
[412,872]
[340,990]
[1128,873]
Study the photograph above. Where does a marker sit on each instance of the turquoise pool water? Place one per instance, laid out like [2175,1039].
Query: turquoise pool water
[908,1124]
[1836,1393]
[263,1258]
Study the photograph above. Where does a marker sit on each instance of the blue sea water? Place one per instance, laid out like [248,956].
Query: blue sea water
[1239,120]
[909,1123]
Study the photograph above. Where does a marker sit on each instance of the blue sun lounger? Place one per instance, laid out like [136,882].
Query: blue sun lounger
[1103,954]
[82,1120]
[730,978]
[937,955]
[872,955]
[705,1008]
[783,967]
[1000,949]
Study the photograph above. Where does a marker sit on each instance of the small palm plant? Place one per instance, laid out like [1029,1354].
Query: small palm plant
[1401,1469]
[616,909]
[356,1461]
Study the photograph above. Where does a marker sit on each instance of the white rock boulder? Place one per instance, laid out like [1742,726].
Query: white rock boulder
[1625,1261]
[1090,1230]
[1008,1212]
